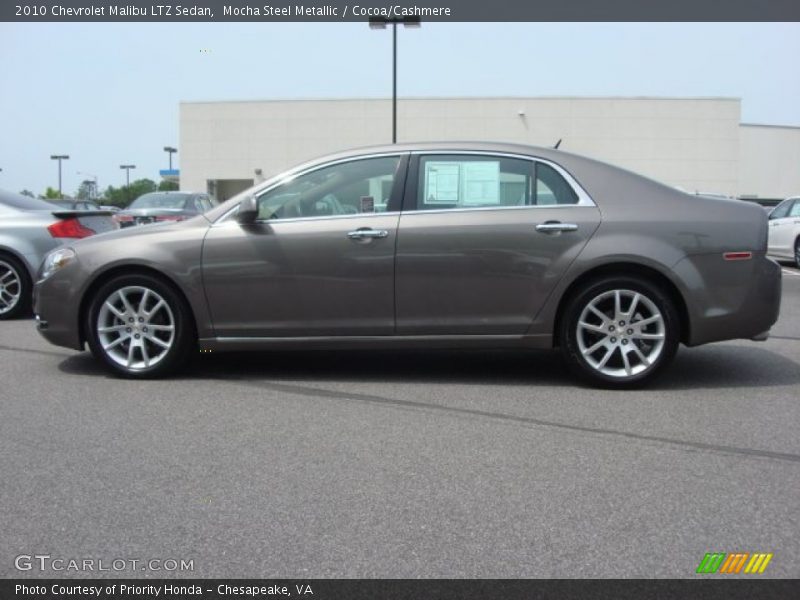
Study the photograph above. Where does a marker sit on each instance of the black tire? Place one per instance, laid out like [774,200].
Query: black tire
[797,253]
[140,353]
[15,288]
[624,368]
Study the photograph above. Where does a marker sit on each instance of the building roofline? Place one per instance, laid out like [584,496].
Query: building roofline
[451,98]
[769,126]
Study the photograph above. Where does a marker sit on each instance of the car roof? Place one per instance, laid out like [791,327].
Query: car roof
[168,193]
[22,202]
[454,146]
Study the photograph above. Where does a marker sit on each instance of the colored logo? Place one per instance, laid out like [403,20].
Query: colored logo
[737,562]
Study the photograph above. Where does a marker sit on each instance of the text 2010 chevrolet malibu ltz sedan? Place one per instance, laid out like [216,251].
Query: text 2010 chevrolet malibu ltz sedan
[426,245]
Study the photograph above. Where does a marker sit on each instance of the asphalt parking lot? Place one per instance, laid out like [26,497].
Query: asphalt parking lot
[426,464]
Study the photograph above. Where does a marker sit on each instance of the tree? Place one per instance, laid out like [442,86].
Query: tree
[86,190]
[167,186]
[50,194]
[123,196]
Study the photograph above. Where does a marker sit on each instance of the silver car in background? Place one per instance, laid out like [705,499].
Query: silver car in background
[784,231]
[159,207]
[29,229]
[464,245]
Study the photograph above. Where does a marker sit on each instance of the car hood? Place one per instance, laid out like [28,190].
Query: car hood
[152,234]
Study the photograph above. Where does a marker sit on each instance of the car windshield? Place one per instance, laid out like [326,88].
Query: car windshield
[160,201]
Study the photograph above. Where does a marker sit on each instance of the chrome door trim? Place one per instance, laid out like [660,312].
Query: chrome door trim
[556,227]
[541,340]
[584,199]
[366,234]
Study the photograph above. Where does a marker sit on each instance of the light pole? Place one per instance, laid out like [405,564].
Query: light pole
[59,158]
[171,151]
[127,180]
[380,23]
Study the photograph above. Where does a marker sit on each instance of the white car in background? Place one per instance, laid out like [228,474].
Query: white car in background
[784,231]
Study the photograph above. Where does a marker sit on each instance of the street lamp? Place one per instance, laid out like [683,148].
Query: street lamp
[59,158]
[127,180]
[380,23]
[171,151]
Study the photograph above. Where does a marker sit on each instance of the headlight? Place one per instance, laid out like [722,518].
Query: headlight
[56,260]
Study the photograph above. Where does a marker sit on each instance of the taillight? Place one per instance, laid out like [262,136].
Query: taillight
[69,228]
[170,218]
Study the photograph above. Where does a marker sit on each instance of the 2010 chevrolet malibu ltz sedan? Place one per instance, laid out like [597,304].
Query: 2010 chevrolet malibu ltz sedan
[426,245]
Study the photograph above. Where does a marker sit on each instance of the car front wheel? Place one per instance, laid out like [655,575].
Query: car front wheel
[797,253]
[15,288]
[619,332]
[139,327]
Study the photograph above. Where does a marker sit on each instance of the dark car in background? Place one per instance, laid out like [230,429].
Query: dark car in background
[427,245]
[29,229]
[157,207]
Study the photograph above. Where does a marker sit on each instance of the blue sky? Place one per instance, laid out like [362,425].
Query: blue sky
[108,93]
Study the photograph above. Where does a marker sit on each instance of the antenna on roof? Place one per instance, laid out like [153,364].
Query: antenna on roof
[558,143]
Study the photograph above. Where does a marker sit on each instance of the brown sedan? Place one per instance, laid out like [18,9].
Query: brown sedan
[426,245]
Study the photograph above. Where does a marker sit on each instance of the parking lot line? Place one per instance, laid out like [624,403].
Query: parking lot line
[795,273]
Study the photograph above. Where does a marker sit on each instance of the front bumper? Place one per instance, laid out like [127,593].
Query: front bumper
[56,307]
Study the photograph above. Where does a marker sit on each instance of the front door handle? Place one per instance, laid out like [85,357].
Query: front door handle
[366,234]
[556,227]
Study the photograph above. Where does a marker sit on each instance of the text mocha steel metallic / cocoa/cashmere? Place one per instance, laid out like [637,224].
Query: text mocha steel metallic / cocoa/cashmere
[433,245]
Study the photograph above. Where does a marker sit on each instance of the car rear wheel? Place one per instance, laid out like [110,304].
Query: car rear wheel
[797,253]
[139,327]
[15,288]
[619,332]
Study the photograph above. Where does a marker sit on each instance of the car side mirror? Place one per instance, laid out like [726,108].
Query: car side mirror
[248,210]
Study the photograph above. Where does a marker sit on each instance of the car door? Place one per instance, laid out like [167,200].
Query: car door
[483,239]
[781,228]
[319,260]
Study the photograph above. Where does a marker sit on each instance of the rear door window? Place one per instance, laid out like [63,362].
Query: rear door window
[452,181]
[462,182]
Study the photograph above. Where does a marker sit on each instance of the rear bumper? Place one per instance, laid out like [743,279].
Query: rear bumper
[733,300]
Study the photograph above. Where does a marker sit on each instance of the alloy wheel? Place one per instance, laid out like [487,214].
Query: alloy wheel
[136,327]
[10,287]
[620,333]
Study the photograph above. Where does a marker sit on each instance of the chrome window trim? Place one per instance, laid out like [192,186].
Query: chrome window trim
[435,211]
[271,184]
[584,199]
[219,223]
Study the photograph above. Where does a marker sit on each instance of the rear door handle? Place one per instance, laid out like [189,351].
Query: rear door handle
[366,234]
[556,227]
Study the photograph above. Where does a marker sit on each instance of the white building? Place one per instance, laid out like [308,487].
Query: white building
[697,144]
